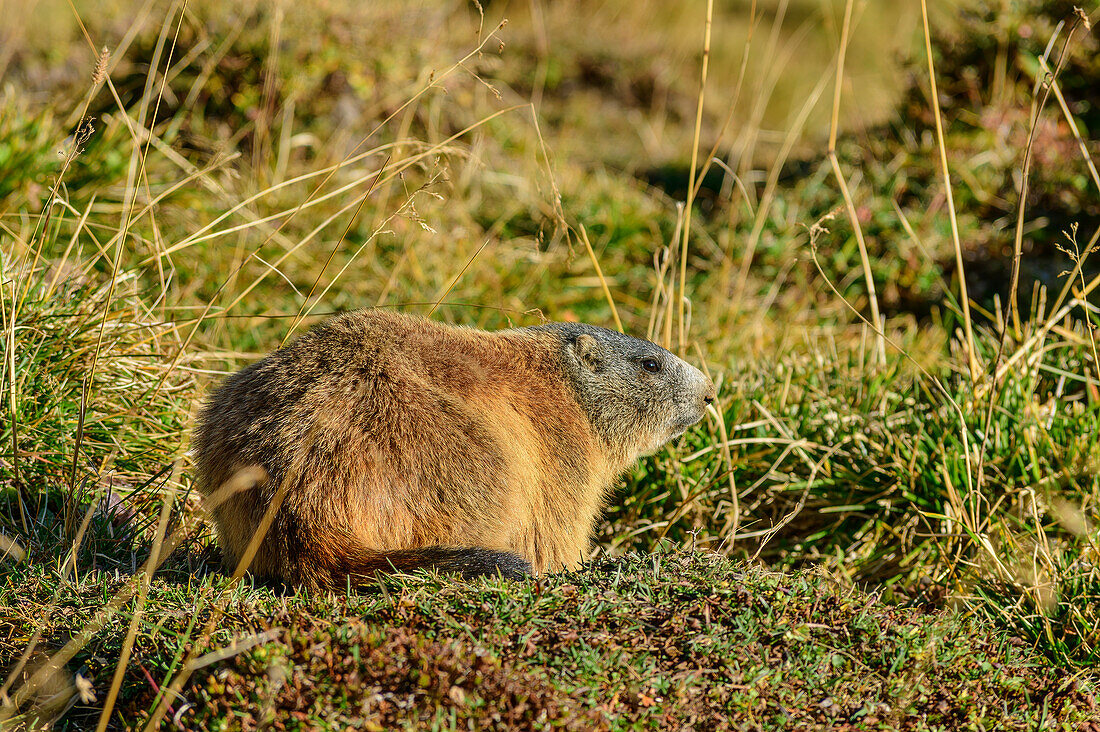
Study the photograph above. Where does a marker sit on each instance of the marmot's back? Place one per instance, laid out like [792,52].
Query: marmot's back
[396,441]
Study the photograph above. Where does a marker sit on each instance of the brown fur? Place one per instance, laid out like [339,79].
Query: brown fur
[397,440]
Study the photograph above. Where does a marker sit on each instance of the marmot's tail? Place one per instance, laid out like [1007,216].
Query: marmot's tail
[336,565]
[468,562]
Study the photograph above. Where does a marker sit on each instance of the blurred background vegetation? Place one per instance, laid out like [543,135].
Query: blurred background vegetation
[248,168]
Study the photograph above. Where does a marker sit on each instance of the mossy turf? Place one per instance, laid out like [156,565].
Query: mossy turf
[672,640]
[252,163]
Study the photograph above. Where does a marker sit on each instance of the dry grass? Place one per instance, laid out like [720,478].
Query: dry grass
[244,179]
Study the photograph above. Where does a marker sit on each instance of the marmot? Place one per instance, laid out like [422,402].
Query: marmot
[407,443]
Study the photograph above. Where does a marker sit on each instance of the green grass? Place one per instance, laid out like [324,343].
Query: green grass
[661,639]
[932,532]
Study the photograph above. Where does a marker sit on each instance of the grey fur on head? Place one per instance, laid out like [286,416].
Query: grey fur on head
[616,375]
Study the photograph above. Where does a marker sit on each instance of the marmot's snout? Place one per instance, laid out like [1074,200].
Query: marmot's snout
[705,388]
[700,394]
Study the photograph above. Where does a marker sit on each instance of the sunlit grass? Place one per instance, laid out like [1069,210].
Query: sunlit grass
[230,195]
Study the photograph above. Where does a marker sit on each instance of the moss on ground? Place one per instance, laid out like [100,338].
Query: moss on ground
[669,640]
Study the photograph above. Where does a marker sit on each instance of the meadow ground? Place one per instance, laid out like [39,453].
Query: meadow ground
[889,522]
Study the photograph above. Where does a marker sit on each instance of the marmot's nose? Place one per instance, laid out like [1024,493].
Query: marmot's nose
[708,398]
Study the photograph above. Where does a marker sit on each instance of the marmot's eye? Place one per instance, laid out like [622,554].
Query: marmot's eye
[651,365]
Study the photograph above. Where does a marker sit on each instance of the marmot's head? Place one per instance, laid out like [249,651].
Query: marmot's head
[638,396]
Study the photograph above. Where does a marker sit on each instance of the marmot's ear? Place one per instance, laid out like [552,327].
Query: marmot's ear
[589,351]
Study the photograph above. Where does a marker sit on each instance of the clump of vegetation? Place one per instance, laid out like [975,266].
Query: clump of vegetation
[663,639]
[230,177]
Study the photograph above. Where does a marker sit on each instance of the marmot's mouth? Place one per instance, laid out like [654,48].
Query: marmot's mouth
[682,426]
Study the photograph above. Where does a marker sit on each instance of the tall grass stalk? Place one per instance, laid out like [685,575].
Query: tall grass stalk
[1017,248]
[603,280]
[934,100]
[850,207]
[686,228]
[139,607]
